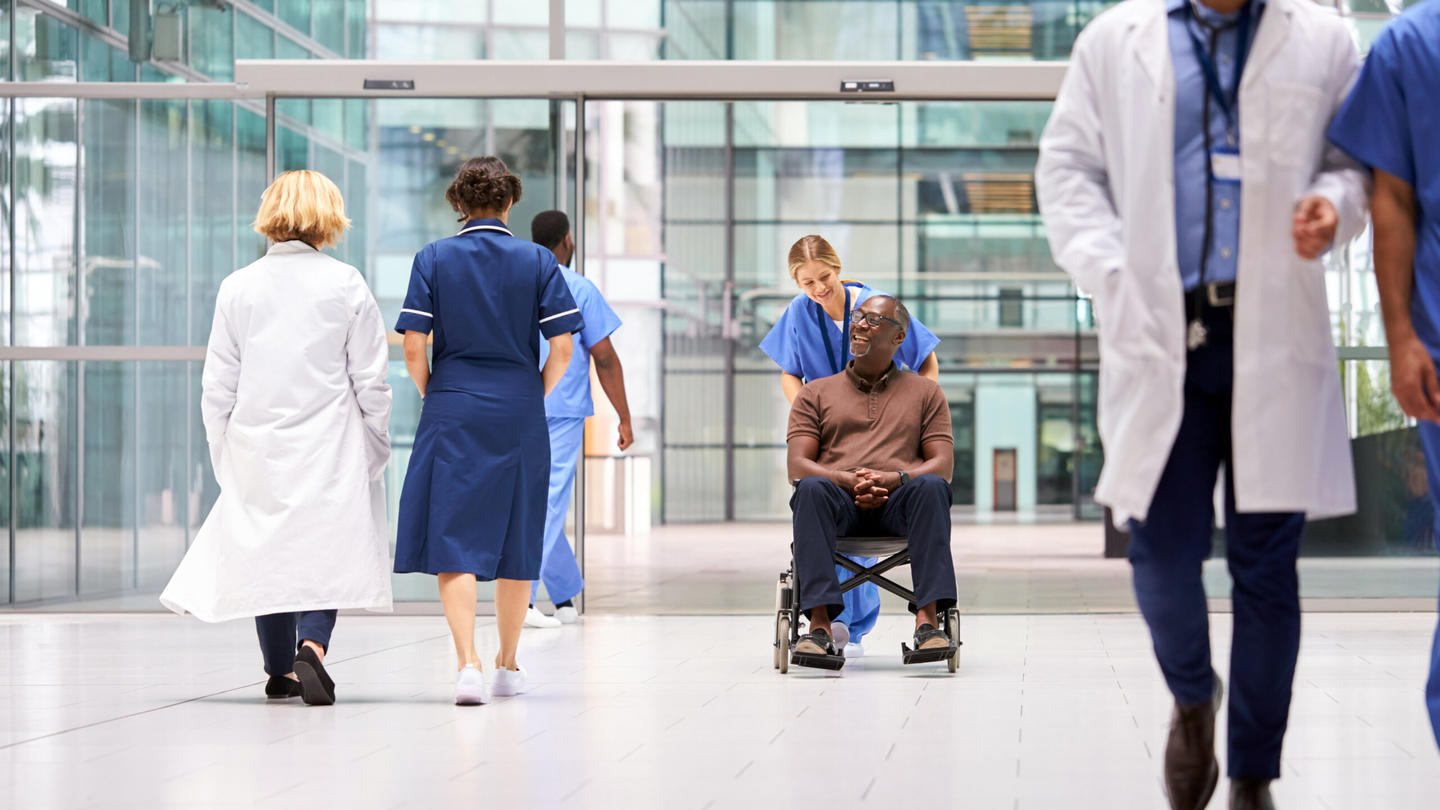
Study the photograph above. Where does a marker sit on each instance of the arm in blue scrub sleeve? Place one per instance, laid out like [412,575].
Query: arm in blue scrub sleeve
[600,320]
[919,343]
[1373,125]
[418,314]
[781,344]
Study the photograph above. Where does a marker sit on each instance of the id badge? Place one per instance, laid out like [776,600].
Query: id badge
[1225,165]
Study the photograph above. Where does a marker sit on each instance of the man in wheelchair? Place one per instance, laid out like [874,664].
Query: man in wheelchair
[871,453]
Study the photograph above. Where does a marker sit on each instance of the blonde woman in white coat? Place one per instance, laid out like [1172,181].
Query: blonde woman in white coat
[297,413]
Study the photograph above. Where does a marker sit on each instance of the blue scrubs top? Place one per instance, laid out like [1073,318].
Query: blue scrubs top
[805,343]
[1391,122]
[571,396]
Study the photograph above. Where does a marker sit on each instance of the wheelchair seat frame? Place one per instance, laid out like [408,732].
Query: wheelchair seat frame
[787,612]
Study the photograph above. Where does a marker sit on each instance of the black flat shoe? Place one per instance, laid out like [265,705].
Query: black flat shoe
[282,688]
[316,687]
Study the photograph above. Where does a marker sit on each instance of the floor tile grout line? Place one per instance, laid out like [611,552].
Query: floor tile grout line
[576,790]
[197,697]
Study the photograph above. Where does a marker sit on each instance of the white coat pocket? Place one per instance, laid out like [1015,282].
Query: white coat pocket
[1295,123]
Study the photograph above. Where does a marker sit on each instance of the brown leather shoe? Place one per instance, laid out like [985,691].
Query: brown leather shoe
[1250,794]
[1191,770]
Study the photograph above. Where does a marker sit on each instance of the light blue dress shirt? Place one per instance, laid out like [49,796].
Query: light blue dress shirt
[1191,159]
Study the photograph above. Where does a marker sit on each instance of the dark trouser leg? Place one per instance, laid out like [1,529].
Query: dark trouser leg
[277,642]
[316,626]
[920,510]
[1261,551]
[1430,441]
[822,512]
[1168,549]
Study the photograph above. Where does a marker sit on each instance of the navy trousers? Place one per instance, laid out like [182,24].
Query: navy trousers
[919,510]
[1166,553]
[281,634]
[1430,441]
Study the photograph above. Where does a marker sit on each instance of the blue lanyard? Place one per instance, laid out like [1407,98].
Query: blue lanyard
[1227,101]
[830,353]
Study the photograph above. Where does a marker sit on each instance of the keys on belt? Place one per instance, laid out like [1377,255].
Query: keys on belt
[1220,295]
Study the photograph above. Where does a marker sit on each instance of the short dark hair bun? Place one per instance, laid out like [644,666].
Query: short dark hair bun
[483,184]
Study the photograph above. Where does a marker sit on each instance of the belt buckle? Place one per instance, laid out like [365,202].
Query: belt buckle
[1212,295]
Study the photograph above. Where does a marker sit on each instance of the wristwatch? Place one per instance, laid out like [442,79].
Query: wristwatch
[904,478]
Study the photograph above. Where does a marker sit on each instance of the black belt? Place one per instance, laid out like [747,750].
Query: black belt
[1220,294]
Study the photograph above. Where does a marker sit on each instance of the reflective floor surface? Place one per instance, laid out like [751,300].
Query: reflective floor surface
[730,568]
[1047,711]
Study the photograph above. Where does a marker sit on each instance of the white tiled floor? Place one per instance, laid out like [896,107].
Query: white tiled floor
[676,712]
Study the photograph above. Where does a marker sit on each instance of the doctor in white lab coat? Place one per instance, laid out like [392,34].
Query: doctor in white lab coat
[297,411]
[1186,185]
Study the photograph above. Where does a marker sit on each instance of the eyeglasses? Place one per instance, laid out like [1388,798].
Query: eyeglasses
[874,319]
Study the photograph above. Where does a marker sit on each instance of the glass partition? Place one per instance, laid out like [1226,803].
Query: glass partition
[933,202]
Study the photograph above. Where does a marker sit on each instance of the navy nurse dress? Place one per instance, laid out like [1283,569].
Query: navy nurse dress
[475,491]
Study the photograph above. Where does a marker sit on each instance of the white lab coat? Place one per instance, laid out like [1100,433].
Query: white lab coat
[1105,181]
[297,413]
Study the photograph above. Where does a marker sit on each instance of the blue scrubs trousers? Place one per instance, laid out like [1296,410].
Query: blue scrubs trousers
[1166,553]
[1430,441]
[862,604]
[281,634]
[558,569]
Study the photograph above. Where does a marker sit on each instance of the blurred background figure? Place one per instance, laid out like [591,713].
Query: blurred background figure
[1201,318]
[1391,123]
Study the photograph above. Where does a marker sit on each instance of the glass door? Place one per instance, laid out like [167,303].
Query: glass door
[393,158]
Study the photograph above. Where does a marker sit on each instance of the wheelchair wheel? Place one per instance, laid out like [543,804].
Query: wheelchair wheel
[952,629]
[782,643]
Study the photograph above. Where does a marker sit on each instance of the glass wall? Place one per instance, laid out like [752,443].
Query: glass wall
[122,216]
[932,202]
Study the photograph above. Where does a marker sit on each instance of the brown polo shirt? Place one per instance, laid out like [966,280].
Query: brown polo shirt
[882,427]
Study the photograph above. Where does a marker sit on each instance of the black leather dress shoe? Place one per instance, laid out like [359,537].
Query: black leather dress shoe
[1250,794]
[1191,770]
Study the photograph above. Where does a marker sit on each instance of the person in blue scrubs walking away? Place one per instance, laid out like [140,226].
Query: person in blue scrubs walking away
[473,504]
[1391,123]
[566,408]
[811,340]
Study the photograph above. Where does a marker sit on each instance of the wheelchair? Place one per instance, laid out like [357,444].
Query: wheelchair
[895,552]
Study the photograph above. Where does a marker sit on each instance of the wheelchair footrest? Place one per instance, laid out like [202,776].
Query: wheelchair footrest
[928,656]
[817,661]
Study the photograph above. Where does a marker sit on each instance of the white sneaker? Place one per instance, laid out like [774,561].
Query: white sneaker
[567,615]
[854,650]
[840,634]
[509,682]
[534,618]
[470,688]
